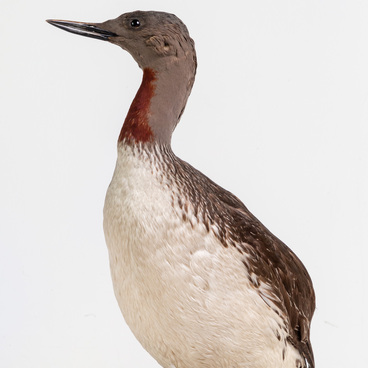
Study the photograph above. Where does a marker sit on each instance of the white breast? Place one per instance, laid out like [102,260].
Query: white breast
[185,296]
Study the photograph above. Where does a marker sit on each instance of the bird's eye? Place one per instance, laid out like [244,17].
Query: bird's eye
[135,23]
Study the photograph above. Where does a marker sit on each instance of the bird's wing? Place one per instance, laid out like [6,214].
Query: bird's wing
[274,270]
[289,287]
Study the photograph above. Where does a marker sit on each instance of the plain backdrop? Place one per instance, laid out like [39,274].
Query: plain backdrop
[278,116]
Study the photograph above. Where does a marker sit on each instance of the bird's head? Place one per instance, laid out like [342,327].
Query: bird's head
[154,39]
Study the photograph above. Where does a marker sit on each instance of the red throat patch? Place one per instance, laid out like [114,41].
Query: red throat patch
[136,127]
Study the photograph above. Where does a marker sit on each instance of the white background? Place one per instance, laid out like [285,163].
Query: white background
[278,115]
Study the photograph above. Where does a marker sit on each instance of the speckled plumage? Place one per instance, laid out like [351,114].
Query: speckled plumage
[183,288]
[199,280]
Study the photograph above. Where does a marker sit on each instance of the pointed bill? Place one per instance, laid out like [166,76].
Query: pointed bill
[84,29]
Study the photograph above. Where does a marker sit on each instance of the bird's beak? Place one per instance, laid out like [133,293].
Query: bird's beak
[84,29]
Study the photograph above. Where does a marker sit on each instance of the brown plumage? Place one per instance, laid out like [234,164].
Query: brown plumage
[266,256]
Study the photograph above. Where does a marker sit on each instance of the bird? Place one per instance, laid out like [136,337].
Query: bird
[200,281]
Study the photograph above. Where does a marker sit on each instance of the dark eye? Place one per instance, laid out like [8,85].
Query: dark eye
[135,23]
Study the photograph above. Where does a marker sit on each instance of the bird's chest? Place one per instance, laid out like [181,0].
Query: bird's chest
[150,249]
[138,223]
[163,268]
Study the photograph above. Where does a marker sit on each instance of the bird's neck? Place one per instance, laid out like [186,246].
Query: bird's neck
[158,105]
[136,126]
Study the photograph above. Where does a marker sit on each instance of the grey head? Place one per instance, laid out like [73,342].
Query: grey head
[149,36]
[160,43]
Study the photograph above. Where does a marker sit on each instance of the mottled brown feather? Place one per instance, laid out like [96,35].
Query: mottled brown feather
[267,257]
